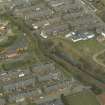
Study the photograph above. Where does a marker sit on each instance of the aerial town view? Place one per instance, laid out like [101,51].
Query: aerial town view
[52,52]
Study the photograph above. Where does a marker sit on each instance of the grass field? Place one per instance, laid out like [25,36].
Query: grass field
[103,1]
[101,58]
[83,48]
[89,47]
[83,98]
[83,52]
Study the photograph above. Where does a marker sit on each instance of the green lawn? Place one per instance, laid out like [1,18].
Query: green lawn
[101,58]
[83,98]
[89,47]
[82,48]
[103,1]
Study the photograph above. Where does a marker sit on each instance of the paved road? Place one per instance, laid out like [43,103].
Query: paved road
[96,60]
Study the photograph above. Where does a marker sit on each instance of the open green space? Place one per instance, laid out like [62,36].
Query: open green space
[8,41]
[87,70]
[84,48]
[89,47]
[82,98]
[101,58]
